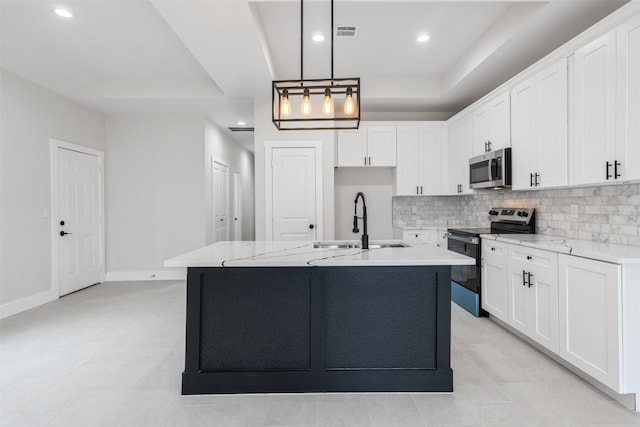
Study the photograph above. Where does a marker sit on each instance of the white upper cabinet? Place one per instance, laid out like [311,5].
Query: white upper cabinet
[628,104]
[594,90]
[539,129]
[419,169]
[491,125]
[460,151]
[367,146]
[381,146]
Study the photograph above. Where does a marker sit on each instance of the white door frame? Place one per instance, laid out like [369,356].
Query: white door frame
[268,180]
[213,227]
[56,144]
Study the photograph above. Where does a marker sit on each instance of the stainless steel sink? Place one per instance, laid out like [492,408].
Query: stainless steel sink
[342,244]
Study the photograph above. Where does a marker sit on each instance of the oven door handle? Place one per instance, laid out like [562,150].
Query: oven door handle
[466,239]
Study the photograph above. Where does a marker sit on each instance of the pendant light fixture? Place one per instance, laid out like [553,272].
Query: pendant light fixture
[315,104]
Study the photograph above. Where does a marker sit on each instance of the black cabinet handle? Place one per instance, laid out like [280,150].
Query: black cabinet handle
[531,180]
[417,190]
[529,257]
[608,174]
[488,146]
[62,233]
[369,160]
[421,189]
[536,175]
[529,278]
[523,276]
[365,160]
[616,175]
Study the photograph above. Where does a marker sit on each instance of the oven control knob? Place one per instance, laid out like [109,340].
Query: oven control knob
[525,214]
[492,212]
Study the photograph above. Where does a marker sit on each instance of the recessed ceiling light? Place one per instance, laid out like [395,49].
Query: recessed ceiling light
[423,38]
[241,123]
[64,13]
[318,38]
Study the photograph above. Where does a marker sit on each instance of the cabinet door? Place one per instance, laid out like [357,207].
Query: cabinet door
[590,324]
[481,130]
[500,122]
[460,151]
[352,149]
[628,107]
[594,110]
[431,172]
[407,172]
[519,305]
[495,298]
[551,126]
[542,283]
[523,127]
[381,146]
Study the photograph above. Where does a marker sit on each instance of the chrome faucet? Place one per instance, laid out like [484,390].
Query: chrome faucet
[365,236]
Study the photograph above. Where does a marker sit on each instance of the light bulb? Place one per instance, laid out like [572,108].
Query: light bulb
[285,104]
[349,104]
[327,104]
[306,103]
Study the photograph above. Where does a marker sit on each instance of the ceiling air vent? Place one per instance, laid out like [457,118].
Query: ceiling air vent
[241,129]
[346,31]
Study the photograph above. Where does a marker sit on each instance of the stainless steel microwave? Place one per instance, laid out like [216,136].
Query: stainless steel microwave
[491,170]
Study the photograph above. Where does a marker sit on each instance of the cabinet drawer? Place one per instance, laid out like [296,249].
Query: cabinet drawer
[533,257]
[492,248]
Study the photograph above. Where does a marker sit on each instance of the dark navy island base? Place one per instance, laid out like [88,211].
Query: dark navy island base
[318,329]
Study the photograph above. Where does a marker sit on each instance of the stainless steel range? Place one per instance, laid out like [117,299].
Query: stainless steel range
[466,280]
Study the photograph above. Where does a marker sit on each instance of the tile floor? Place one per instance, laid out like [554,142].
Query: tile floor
[112,355]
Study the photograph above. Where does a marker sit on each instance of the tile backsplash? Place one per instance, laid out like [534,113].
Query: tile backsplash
[605,213]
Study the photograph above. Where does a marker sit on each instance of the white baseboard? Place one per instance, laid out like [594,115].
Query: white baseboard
[135,276]
[18,306]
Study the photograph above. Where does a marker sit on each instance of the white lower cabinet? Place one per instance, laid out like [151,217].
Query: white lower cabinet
[431,236]
[590,317]
[533,294]
[494,278]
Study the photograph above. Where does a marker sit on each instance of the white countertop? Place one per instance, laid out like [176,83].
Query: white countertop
[303,254]
[608,252]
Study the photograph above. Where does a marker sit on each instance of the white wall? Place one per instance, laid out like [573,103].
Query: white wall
[266,131]
[29,116]
[155,203]
[239,160]
[377,186]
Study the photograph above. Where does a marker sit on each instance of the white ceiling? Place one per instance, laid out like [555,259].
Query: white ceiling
[212,57]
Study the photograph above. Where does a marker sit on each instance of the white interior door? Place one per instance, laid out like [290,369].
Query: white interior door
[294,193]
[237,207]
[220,198]
[79,211]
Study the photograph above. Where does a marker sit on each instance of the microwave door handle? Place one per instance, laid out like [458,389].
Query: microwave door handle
[490,170]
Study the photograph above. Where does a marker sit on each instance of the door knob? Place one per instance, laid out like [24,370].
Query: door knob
[62,233]
[311,226]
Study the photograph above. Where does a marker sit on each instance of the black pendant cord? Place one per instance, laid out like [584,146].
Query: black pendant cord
[301,40]
[332,42]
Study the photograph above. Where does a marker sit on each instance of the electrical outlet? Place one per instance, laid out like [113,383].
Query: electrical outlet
[414,210]
[574,211]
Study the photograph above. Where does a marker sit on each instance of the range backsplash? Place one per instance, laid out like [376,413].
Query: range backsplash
[605,213]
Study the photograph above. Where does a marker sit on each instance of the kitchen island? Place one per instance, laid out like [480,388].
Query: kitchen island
[288,317]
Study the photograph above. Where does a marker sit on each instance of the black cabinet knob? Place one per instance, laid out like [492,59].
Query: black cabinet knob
[529,257]
[311,226]
[61,222]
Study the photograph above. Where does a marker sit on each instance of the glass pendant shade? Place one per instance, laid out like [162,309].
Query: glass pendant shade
[306,103]
[327,103]
[349,104]
[285,105]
